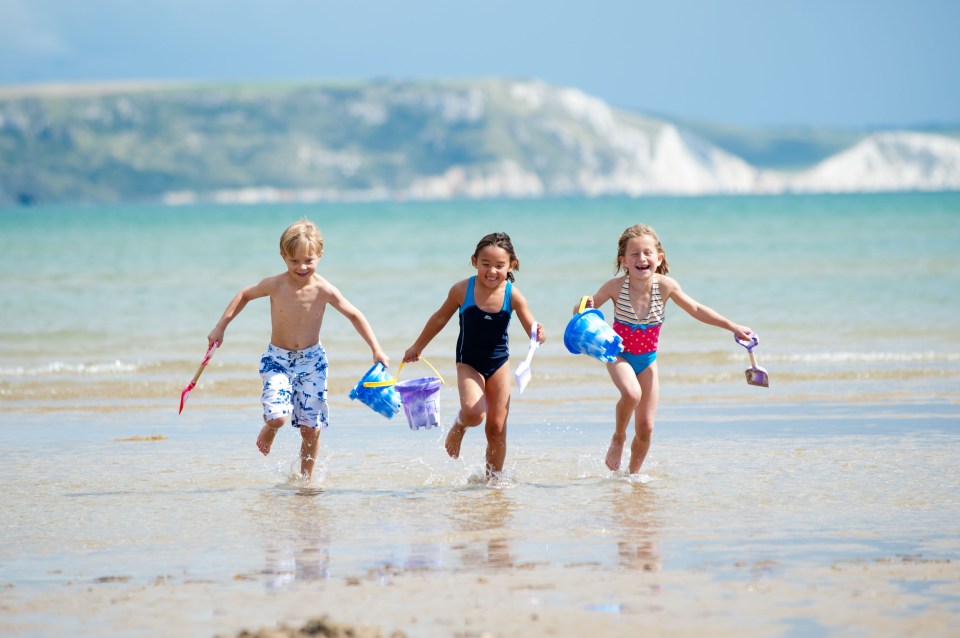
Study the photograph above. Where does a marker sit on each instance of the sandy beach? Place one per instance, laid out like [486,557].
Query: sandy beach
[847,598]
[838,522]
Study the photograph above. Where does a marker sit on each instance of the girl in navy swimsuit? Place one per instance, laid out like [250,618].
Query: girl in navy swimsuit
[639,299]
[485,303]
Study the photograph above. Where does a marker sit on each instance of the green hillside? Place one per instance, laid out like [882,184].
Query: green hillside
[122,143]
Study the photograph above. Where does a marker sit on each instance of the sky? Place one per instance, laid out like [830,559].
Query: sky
[757,63]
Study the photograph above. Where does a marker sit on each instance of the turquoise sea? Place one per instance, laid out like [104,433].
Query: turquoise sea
[767,507]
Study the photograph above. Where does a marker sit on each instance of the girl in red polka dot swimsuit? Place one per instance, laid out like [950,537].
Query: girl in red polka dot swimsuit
[643,291]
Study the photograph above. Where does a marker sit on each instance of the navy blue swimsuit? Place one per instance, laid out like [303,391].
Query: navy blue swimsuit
[483,343]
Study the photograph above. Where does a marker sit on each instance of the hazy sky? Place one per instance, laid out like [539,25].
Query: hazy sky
[836,63]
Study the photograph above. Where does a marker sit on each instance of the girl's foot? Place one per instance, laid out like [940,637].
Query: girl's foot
[455,438]
[615,453]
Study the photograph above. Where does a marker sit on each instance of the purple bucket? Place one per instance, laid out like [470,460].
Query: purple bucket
[421,402]
[420,399]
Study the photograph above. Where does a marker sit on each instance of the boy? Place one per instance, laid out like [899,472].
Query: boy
[294,367]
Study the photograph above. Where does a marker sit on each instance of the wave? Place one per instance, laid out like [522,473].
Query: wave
[58,367]
[866,357]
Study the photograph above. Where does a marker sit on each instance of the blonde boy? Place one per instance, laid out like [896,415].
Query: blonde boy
[294,366]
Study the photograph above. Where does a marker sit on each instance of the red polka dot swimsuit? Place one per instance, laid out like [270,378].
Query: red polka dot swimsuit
[639,336]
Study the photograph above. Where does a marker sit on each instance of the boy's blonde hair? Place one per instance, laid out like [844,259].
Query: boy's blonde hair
[302,234]
[639,230]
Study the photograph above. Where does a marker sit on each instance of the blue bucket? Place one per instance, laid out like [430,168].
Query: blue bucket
[376,390]
[587,333]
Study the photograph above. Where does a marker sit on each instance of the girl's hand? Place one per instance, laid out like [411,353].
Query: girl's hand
[589,304]
[541,335]
[742,332]
[412,354]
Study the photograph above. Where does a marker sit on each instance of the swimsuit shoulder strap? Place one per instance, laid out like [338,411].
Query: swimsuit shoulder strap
[468,298]
[506,297]
[656,303]
[623,310]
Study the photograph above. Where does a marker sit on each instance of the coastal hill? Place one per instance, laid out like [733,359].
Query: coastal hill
[391,139]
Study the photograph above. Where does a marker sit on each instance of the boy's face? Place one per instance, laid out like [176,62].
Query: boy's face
[302,264]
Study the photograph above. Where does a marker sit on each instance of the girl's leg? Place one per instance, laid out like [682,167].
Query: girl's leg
[498,406]
[473,407]
[626,382]
[308,450]
[645,415]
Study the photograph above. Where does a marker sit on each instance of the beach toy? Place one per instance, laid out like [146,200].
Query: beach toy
[420,401]
[587,333]
[375,390]
[523,373]
[193,383]
[755,374]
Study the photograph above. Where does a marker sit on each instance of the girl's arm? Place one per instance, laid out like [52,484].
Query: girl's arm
[519,303]
[360,323]
[701,313]
[606,293]
[239,301]
[437,321]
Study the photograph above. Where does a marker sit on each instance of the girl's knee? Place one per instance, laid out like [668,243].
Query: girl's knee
[630,399]
[495,428]
[644,430]
[472,417]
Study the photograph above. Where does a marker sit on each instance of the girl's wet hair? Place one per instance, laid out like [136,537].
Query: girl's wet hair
[500,240]
[639,230]
[301,234]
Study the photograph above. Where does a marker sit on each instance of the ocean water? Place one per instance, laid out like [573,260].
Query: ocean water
[850,455]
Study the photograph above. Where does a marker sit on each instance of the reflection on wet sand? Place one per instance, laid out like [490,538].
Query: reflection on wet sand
[296,540]
[636,511]
[482,517]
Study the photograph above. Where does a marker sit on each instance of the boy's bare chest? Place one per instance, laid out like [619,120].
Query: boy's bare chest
[304,302]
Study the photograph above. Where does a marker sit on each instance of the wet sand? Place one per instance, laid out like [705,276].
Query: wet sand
[875,598]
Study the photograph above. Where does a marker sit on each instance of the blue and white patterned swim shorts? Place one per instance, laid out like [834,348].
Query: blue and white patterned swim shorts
[295,382]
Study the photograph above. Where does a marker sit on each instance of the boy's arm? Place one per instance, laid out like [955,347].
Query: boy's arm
[360,324]
[437,321]
[239,301]
[702,313]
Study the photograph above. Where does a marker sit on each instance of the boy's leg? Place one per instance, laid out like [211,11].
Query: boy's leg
[472,407]
[267,433]
[308,451]
[497,392]
[626,382]
[275,398]
[310,411]
[646,414]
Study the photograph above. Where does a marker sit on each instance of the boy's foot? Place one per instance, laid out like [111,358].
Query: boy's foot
[614,453]
[455,438]
[265,439]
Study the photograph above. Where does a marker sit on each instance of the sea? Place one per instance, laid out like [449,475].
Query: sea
[751,505]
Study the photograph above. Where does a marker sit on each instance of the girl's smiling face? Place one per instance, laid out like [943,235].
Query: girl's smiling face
[641,257]
[492,264]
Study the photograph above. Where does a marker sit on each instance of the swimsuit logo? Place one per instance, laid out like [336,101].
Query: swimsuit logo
[488,317]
